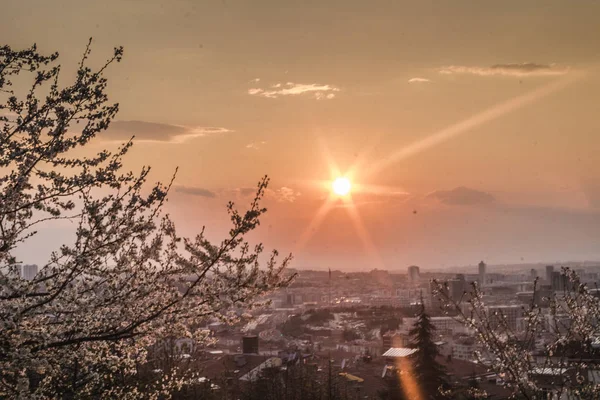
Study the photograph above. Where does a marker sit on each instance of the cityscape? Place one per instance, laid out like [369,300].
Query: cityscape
[357,325]
[299,200]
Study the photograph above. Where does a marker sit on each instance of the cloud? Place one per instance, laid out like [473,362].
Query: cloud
[283,194]
[462,196]
[318,91]
[246,191]
[256,145]
[195,191]
[151,132]
[517,70]
[419,80]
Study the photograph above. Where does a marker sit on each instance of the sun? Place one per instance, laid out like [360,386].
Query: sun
[341,186]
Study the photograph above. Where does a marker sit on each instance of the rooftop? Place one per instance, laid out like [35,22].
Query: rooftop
[399,352]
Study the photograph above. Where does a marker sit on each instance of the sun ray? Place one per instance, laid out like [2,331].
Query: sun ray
[408,381]
[363,157]
[363,234]
[378,189]
[466,125]
[331,164]
[315,222]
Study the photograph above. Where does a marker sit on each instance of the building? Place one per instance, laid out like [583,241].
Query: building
[510,313]
[413,274]
[457,288]
[412,296]
[394,339]
[439,293]
[482,271]
[560,281]
[464,349]
[29,271]
[549,272]
[256,373]
[540,297]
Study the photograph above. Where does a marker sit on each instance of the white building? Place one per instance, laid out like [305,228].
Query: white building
[464,350]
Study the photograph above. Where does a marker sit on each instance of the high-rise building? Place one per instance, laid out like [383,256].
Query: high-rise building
[457,288]
[549,271]
[560,281]
[29,271]
[413,273]
[482,273]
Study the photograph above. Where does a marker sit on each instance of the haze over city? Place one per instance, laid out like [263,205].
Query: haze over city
[467,130]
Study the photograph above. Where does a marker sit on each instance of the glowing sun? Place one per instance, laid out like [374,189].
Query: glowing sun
[341,186]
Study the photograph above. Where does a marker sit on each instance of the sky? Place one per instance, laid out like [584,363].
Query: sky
[469,129]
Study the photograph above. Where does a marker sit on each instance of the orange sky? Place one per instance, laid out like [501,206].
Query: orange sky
[480,116]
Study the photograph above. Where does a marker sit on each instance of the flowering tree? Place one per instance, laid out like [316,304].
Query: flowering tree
[81,327]
[552,352]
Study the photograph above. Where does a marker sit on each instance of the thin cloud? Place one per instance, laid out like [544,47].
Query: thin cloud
[462,196]
[195,191]
[256,145]
[283,194]
[246,191]
[516,70]
[318,91]
[419,80]
[151,132]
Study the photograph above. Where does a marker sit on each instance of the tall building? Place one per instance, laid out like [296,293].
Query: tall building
[549,271]
[560,281]
[413,273]
[482,273]
[29,271]
[457,288]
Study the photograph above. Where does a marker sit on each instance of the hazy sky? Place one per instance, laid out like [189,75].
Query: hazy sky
[477,122]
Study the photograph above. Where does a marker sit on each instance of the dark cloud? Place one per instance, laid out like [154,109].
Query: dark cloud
[512,69]
[462,196]
[247,191]
[156,132]
[195,191]
[522,67]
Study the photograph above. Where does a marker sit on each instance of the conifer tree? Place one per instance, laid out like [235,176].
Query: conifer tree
[430,374]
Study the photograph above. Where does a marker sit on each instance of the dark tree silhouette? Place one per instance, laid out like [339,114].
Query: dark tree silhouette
[429,373]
